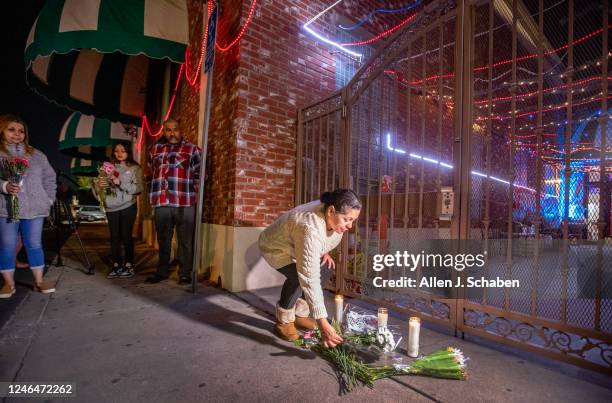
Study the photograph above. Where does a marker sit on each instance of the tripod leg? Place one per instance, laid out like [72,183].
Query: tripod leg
[62,212]
[58,236]
[90,267]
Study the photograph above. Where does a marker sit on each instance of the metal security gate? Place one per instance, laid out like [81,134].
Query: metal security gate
[501,106]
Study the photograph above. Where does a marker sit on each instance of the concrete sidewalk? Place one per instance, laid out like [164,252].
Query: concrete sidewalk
[125,341]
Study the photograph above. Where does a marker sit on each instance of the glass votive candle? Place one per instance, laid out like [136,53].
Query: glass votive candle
[414,329]
[339,301]
[383,316]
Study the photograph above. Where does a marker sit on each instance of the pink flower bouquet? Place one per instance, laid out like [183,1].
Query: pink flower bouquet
[106,172]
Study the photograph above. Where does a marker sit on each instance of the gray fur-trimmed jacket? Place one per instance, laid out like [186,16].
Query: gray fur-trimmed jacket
[38,189]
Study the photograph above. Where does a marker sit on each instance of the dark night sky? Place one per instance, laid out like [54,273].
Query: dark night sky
[44,118]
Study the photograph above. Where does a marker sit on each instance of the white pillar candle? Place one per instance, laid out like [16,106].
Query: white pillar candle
[382,317]
[414,328]
[339,300]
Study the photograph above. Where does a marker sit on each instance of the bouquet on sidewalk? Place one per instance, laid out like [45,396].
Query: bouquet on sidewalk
[12,170]
[106,172]
[351,371]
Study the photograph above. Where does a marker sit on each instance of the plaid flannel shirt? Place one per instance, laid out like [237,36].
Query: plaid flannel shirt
[175,171]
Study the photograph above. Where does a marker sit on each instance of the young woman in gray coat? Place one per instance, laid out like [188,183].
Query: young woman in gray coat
[36,194]
[121,208]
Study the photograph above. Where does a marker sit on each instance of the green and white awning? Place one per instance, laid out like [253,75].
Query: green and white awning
[89,137]
[83,167]
[99,56]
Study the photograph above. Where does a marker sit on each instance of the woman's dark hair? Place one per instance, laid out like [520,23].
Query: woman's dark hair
[343,200]
[127,146]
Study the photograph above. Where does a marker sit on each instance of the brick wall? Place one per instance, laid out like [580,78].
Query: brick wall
[221,164]
[190,97]
[258,86]
[280,70]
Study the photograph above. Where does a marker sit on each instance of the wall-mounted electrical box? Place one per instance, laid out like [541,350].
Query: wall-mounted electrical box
[446,199]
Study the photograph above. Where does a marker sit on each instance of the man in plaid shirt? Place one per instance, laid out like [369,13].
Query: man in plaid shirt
[174,165]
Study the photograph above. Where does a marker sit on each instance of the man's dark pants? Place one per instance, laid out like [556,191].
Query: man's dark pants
[166,218]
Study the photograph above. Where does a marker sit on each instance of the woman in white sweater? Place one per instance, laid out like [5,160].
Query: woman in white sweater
[297,244]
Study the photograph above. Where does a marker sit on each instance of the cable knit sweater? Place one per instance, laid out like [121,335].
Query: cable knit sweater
[300,236]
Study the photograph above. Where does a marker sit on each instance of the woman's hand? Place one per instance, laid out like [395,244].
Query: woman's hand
[328,333]
[12,188]
[102,183]
[327,260]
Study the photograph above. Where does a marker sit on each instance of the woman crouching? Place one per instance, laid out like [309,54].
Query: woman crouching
[297,244]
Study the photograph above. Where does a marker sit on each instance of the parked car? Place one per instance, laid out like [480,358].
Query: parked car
[91,214]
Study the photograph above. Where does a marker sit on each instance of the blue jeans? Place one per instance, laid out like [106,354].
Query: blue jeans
[31,234]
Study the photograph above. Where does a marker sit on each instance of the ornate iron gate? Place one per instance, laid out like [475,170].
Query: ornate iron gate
[507,108]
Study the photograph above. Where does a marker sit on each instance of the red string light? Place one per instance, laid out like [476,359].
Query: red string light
[534,135]
[145,123]
[192,81]
[556,108]
[437,76]
[242,31]
[584,38]
[502,118]
[377,37]
[432,78]
[185,69]
[533,93]
[523,95]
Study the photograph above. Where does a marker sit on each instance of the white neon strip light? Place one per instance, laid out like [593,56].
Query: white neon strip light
[495,178]
[419,157]
[445,165]
[322,38]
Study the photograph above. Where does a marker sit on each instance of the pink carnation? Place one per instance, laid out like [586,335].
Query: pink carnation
[108,168]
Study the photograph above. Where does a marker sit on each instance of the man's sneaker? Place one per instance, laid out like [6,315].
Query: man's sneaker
[155,278]
[116,272]
[128,271]
[44,288]
[7,291]
[184,280]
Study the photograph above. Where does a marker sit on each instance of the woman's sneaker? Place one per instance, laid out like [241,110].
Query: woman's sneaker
[128,271]
[116,272]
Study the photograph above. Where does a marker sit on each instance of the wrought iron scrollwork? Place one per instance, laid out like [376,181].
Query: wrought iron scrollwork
[323,107]
[566,343]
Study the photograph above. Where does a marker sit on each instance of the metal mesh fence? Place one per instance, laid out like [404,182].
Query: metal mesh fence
[537,170]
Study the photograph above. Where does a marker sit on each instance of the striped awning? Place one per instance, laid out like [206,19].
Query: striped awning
[83,167]
[89,137]
[98,56]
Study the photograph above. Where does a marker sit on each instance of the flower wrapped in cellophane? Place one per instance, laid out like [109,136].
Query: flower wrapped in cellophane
[362,332]
[107,172]
[13,170]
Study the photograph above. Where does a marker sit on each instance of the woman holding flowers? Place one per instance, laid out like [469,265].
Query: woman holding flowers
[120,183]
[298,245]
[27,191]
